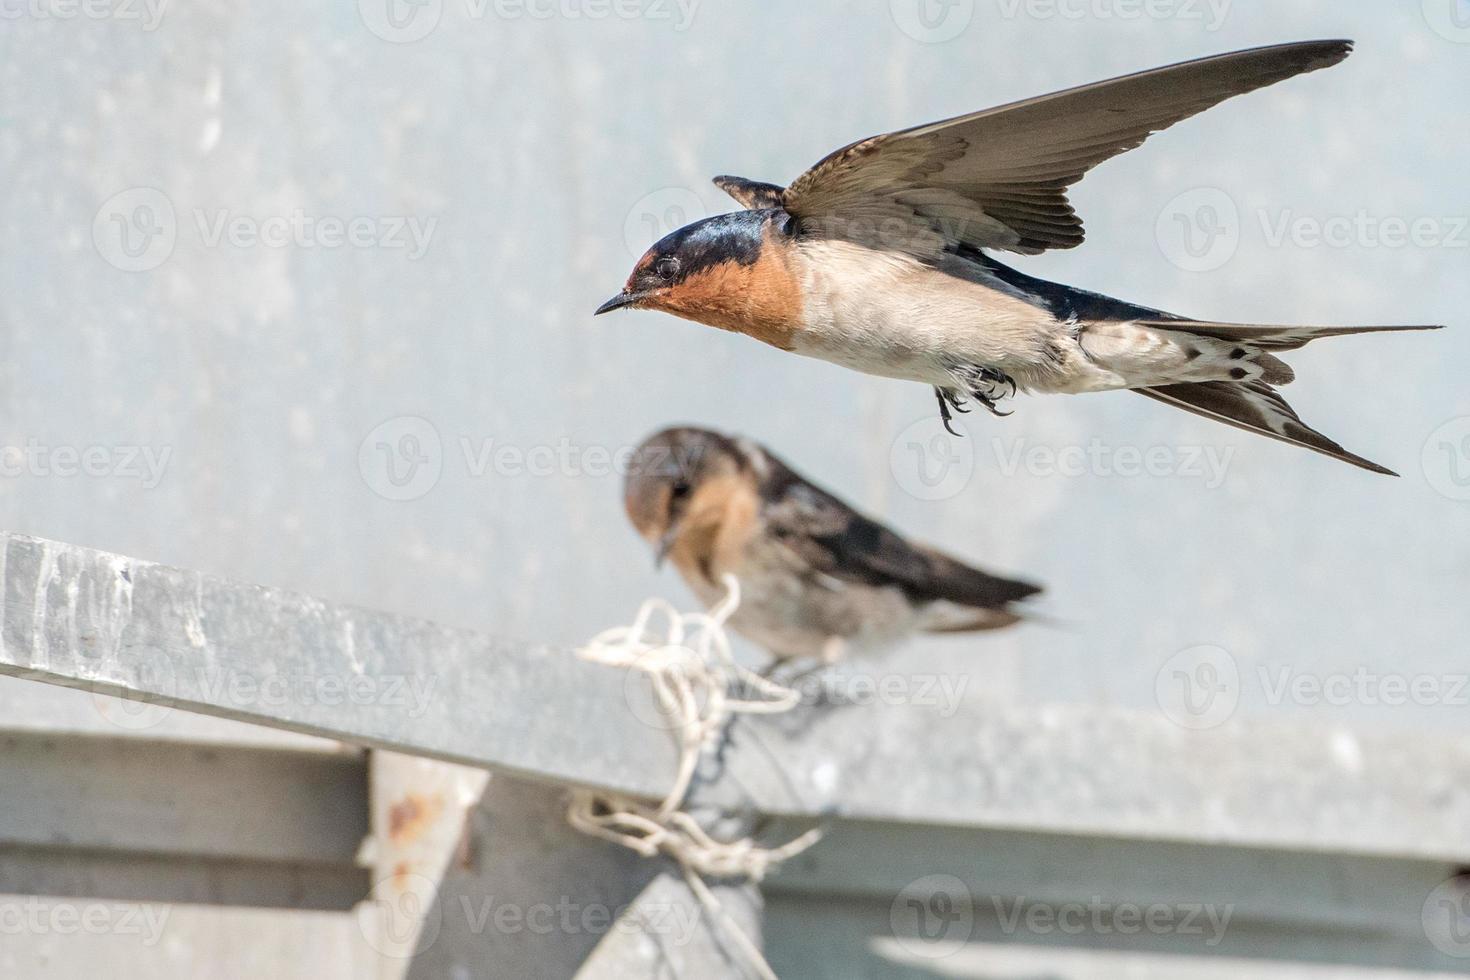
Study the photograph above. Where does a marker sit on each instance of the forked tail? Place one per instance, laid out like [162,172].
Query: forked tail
[1256,407]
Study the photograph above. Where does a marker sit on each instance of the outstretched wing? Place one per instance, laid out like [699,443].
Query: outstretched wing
[835,540]
[998,178]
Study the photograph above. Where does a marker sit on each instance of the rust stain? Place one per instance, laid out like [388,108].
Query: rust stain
[411,816]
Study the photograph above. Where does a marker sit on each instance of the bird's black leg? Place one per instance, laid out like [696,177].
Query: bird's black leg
[947,400]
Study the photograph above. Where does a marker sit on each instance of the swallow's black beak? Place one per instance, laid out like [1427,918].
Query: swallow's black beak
[619,301]
[665,545]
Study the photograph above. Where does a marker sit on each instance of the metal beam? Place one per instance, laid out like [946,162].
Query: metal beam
[168,638]
[1087,771]
[84,618]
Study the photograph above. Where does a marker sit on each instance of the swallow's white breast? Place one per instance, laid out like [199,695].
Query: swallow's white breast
[887,314]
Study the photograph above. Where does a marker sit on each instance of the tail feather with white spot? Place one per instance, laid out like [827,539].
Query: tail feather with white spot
[1256,407]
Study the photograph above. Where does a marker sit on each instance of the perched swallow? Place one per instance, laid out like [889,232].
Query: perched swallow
[875,259]
[817,579]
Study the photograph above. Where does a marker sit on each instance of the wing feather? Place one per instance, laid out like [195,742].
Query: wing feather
[1004,172]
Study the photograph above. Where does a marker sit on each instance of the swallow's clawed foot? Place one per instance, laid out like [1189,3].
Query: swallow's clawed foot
[987,385]
[949,399]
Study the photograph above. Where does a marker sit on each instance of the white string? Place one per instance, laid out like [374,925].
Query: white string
[699,687]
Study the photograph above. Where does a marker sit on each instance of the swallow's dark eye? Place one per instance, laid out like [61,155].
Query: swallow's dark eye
[666,268]
[679,491]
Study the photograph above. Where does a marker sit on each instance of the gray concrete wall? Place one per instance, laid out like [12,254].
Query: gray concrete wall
[232,400]
[533,146]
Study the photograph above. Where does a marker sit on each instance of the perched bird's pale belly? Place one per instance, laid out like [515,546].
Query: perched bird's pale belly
[793,611]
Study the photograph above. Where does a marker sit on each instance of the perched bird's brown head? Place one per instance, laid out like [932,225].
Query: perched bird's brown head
[732,271]
[678,485]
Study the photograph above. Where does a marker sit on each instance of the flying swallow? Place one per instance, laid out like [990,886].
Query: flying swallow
[876,259]
[817,579]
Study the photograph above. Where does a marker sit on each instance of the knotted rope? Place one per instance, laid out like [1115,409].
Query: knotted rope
[699,687]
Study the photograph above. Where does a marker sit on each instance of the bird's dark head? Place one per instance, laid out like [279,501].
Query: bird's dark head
[731,271]
[678,483]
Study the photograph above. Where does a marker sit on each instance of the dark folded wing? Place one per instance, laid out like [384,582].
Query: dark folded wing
[835,540]
[998,178]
